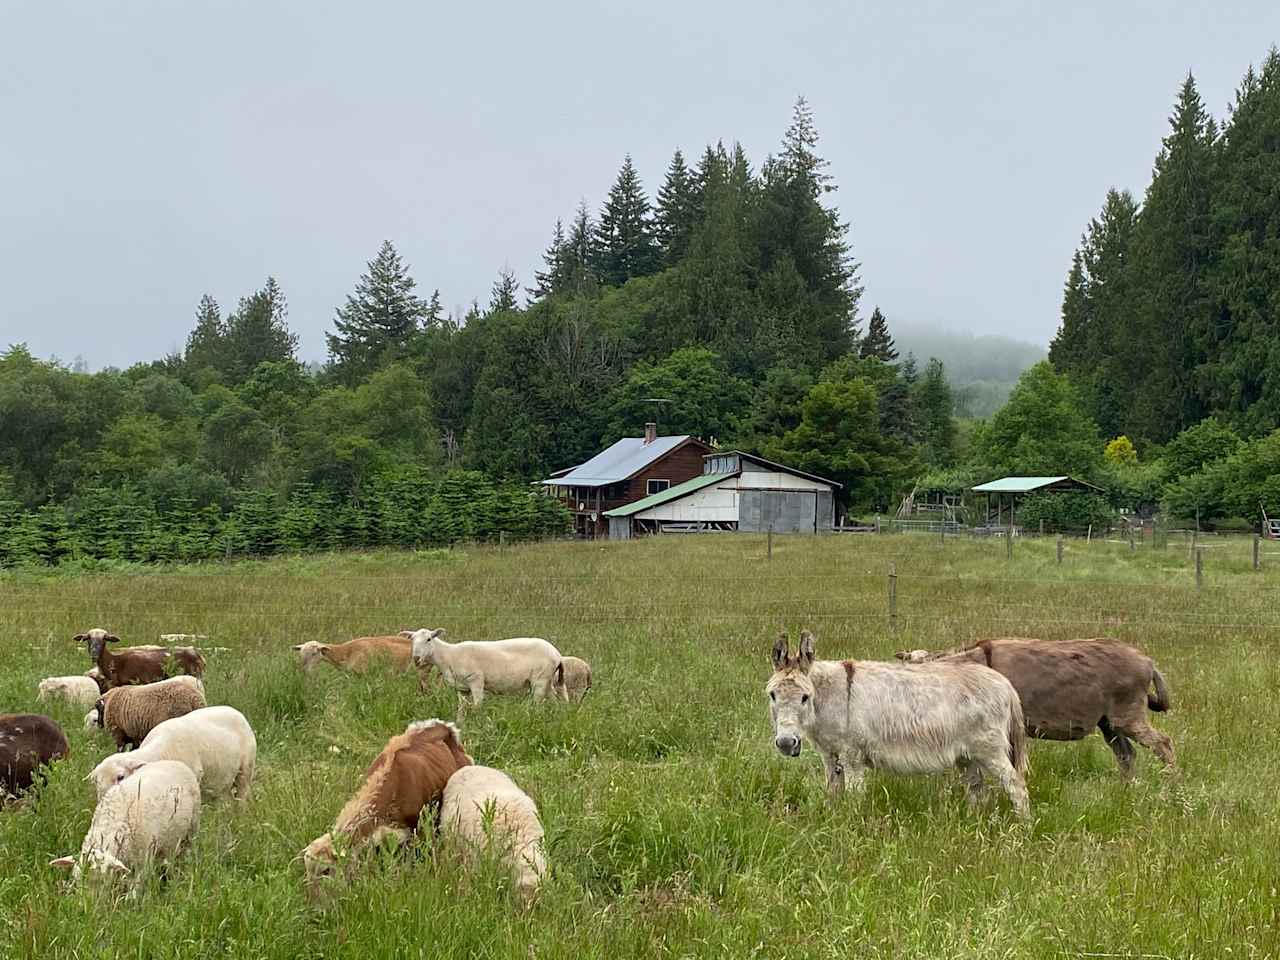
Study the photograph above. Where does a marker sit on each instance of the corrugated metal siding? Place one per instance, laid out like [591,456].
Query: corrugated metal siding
[783,510]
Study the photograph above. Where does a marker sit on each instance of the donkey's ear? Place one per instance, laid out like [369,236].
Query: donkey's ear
[780,652]
[806,656]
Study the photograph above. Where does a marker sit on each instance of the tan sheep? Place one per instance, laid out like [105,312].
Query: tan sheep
[130,713]
[574,679]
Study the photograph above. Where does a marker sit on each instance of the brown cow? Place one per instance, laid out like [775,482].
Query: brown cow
[27,742]
[1070,687]
[406,777]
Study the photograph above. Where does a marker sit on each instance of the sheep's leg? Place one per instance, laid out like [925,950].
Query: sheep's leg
[543,688]
[1120,745]
[475,685]
[243,782]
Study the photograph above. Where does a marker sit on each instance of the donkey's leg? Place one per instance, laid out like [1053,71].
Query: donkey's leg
[975,788]
[835,772]
[1120,745]
[1153,740]
[1011,780]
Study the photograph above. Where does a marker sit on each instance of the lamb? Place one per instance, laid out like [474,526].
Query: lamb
[482,807]
[144,664]
[92,720]
[217,743]
[574,681]
[147,816]
[130,713]
[407,777]
[78,689]
[28,741]
[494,666]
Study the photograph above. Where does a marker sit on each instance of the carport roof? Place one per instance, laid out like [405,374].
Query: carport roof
[671,493]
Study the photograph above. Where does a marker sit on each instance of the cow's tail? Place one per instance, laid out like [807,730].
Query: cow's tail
[1017,735]
[1160,702]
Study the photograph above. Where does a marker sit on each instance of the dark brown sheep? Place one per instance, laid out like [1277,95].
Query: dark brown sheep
[27,742]
[1069,688]
[134,665]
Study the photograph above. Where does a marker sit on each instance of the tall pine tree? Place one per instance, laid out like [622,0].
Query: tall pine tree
[206,344]
[877,343]
[676,214]
[502,296]
[378,321]
[551,277]
[625,231]
[259,331]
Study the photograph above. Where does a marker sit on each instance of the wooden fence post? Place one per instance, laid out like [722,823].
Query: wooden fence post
[1042,526]
[893,596]
[1132,546]
[1008,543]
[1199,567]
[502,539]
[1257,556]
[1059,549]
[770,542]
[877,523]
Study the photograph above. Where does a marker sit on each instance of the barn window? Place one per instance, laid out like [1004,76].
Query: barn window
[657,486]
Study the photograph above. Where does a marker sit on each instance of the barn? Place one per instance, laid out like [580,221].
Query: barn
[736,491]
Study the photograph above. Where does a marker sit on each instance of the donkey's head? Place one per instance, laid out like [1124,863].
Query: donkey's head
[791,694]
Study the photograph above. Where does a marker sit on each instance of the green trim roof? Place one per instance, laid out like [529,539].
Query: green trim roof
[1024,484]
[671,493]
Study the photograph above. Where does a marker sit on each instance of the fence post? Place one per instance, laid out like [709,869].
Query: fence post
[1132,546]
[502,539]
[1042,526]
[1257,557]
[1008,543]
[1059,549]
[1199,567]
[893,596]
[770,542]
[877,523]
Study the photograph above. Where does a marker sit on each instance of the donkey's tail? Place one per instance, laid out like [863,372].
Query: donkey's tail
[1017,736]
[1160,702]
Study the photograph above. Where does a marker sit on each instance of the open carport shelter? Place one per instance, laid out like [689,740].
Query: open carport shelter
[737,491]
[1007,491]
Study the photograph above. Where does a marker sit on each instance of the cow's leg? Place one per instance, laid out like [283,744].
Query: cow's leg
[1153,740]
[835,772]
[1120,745]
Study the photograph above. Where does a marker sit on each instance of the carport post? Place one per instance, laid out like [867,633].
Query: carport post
[1257,557]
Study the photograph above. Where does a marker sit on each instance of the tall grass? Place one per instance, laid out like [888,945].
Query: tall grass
[674,828]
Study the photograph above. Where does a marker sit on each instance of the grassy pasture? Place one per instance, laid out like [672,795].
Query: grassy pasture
[675,830]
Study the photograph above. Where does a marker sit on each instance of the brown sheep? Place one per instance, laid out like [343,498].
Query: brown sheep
[134,665]
[28,741]
[131,712]
[1069,688]
[359,654]
[407,777]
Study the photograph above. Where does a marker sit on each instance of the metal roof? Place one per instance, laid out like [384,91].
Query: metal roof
[773,465]
[671,493]
[1024,484]
[619,462]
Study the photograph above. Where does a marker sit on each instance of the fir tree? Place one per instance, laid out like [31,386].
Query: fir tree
[259,331]
[551,276]
[625,230]
[935,408]
[677,211]
[433,316]
[502,296]
[206,344]
[580,254]
[877,343]
[378,321]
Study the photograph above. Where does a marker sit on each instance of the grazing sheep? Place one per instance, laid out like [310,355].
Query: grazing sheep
[861,714]
[96,676]
[93,719]
[1069,688]
[143,664]
[28,741]
[484,809]
[574,680]
[359,654]
[145,817]
[79,690]
[130,713]
[408,776]
[217,743]
[493,666]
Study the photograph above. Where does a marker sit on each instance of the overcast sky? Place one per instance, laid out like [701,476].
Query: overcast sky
[153,152]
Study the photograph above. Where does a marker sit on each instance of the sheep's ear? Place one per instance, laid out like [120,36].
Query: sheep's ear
[407,634]
[806,655]
[437,634]
[296,646]
[780,652]
[112,638]
[63,863]
[80,638]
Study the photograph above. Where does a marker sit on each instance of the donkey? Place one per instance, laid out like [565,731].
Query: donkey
[906,719]
[1069,688]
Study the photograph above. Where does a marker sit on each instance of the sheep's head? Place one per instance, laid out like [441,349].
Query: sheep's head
[422,648]
[113,770]
[310,653]
[320,861]
[96,641]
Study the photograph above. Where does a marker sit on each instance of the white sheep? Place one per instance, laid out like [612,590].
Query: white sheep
[492,666]
[483,808]
[78,690]
[217,743]
[147,816]
[91,720]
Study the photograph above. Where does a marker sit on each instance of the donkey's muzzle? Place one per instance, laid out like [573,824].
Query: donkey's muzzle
[788,746]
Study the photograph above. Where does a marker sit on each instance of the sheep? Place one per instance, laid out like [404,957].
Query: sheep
[494,666]
[147,816]
[144,664]
[28,741]
[217,743]
[78,689]
[483,806]
[92,720]
[94,674]
[574,681]
[130,713]
[359,654]
[407,777]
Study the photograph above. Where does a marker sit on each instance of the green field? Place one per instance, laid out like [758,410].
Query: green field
[674,827]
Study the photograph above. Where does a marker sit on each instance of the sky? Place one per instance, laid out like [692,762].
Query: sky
[152,152]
